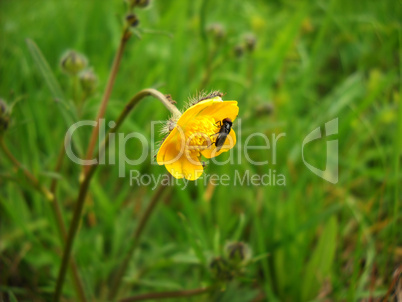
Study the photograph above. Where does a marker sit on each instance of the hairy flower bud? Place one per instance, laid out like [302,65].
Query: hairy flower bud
[73,62]
[237,253]
[142,3]
[88,81]
[132,20]
[138,3]
[238,51]
[264,109]
[4,117]
[250,41]
[217,31]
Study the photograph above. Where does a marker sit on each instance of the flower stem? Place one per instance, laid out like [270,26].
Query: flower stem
[108,90]
[134,243]
[88,176]
[90,169]
[50,195]
[32,179]
[167,295]
[79,288]
[72,231]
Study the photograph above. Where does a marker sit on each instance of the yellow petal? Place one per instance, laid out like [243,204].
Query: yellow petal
[214,107]
[229,143]
[189,168]
[168,150]
[172,155]
[221,110]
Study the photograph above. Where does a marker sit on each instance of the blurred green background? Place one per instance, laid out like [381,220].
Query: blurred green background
[313,61]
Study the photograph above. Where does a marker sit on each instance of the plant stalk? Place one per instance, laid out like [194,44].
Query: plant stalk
[88,176]
[108,90]
[56,211]
[134,243]
[79,288]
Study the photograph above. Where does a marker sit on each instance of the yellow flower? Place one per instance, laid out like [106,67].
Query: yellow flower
[194,135]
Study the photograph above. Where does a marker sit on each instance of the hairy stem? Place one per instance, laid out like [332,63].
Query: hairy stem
[134,243]
[108,90]
[88,176]
[167,295]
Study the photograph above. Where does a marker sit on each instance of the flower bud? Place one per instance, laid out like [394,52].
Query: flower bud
[237,253]
[142,3]
[250,42]
[88,81]
[217,31]
[238,51]
[4,117]
[220,269]
[138,3]
[264,109]
[132,20]
[73,62]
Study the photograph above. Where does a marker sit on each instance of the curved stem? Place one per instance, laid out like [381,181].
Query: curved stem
[108,90]
[88,176]
[148,92]
[32,179]
[166,295]
[134,243]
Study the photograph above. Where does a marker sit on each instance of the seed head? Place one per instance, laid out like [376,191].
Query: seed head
[73,62]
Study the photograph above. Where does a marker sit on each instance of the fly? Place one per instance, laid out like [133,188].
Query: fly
[225,127]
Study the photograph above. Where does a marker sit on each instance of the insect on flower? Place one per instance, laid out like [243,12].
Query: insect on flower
[226,126]
[204,129]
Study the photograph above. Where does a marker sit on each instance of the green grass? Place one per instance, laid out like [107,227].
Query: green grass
[314,61]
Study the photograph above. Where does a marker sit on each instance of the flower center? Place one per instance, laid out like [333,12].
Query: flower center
[200,134]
